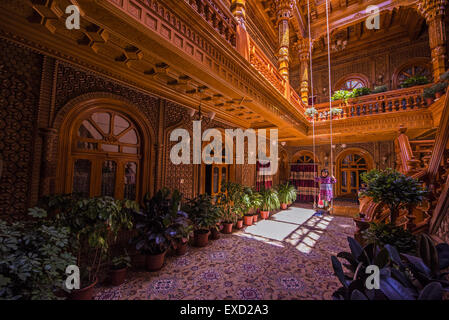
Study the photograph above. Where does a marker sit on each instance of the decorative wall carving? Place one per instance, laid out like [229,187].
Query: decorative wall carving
[20,76]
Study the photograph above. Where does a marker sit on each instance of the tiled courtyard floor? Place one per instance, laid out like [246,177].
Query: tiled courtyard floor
[286,257]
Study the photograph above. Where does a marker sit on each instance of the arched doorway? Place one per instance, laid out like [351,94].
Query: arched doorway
[103,152]
[351,164]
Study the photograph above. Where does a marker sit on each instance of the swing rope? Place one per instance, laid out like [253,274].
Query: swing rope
[330,96]
[315,168]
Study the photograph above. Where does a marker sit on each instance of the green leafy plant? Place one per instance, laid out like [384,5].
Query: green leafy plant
[121,261]
[181,229]
[445,76]
[380,89]
[402,276]
[414,81]
[203,212]
[393,189]
[270,200]
[440,87]
[429,93]
[311,112]
[341,95]
[358,92]
[382,234]
[33,257]
[286,193]
[93,224]
[155,222]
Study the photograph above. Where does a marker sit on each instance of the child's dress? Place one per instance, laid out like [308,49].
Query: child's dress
[326,193]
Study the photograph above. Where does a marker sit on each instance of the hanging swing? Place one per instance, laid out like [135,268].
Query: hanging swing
[315,206]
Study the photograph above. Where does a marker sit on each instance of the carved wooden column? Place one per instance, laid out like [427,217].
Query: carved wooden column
[242,43]
[434,12]
[302,46]
[283,9]
[160,146]
[48,168]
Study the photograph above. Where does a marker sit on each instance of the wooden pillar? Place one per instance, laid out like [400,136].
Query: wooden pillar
[242,43]
[434,12]
[159,146]
[283,10]
[302,47]
[48,168]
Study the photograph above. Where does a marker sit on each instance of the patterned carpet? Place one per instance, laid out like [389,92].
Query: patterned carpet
[286,257]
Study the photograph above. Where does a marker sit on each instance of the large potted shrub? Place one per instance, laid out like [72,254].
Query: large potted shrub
[227,213]
[34,255]
[382,234]
[180,232]
[153,224]
[287,194]
[393,189]
[204,215]
[234,193]
[93,224]
[255,202]
[270,201]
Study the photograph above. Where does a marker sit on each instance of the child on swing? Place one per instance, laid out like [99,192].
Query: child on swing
[326,192]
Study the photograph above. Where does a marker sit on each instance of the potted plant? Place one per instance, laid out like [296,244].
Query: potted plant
[228,216]
[380,89]
[118,268]
[234,192]
[180,232]
[439,88]
[204,216]
[34,255]
[429,95]
[310,113]
[287,194]
[445,76]
[342,95]
[154,224]
[414,81]
[93,223]
[270,201]
[255,203]
[382,234]
[358,92]
[393,189]
[336,113]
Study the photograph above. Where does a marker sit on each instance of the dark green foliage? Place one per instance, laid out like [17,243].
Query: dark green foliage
[286,193]
[270,200]
[393,189]
[402,276]
[380,89]
[33,257]
[120,262]
[429,92]
[414,81]
[158,222]
[382,234]
[358,92]
[203,212]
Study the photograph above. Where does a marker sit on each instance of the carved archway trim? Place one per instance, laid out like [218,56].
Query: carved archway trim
[352,76]
[300,153]
[66,119]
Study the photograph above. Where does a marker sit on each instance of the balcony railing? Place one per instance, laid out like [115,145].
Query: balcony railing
[394,101]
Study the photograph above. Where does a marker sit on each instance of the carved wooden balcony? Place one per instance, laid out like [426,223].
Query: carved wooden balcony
[401,100]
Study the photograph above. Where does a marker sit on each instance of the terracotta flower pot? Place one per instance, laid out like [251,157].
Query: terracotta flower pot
[118,276]
[248,220]
[154,262]
[86,293]
[239,224]
[181,248]
[214,234]
[227,228]
[438,95]
[284,206]
[255,218]
[201,238]
[264,214]
[429,101]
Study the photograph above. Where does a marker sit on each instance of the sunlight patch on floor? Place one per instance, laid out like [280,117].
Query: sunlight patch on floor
[294,215]
[272,229]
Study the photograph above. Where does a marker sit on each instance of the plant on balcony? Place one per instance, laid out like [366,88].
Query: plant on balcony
[429,95]
[414,81]
[154,225]
[382,234]
[336,112]
[439,88]
[393,189]
[358,92]
[402,276]
[34,255]
[445,76]
[270,201]
[93,223]
[205,215]
[287,194]
[311,112]
[380,89]
[341,95]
